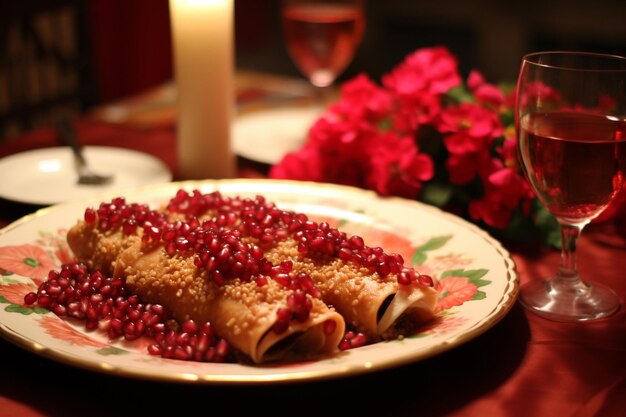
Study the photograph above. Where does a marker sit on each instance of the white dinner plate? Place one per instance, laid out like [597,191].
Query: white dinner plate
[267,135]
[474,274]
[47,176]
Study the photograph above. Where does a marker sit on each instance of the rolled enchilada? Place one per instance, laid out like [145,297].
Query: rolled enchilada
[270,281]
[260,320]
[374,292]
[376,305]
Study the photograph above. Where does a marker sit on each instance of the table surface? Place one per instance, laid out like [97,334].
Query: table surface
[523,366]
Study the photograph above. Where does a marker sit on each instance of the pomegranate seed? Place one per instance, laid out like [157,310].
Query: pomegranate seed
[404,278]
[222,348]
[358,340]
[60,310]
[202,343]
[190,327]
[90,216]
[283,314]
[280,327]
[157,309]
[352,340]
[158,327]
[329,327]
[30,298]
[425,280]
[44,300]
[154,349]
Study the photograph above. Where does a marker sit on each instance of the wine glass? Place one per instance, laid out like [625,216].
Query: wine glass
[571,129]
[322,36]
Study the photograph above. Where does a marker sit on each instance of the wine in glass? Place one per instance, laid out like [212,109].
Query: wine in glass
[571,131]
[322,36]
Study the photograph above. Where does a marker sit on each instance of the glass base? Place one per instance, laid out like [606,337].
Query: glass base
[580,301]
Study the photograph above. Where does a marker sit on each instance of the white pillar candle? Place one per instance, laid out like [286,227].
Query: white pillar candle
[202,33]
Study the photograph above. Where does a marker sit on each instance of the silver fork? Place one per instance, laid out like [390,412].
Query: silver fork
[67,134]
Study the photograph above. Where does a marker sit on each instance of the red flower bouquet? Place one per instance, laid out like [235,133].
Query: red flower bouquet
[424,134]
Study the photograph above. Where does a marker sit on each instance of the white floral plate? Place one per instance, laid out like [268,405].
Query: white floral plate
[475,275]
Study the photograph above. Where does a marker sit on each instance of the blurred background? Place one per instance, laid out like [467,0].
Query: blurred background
[63,57]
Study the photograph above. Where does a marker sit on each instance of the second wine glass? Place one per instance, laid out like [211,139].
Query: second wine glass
[571,126]
[322,36]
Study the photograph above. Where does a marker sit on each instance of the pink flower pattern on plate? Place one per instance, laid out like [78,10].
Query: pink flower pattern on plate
[454,291]
[59,329]
[26,260]
[14,292]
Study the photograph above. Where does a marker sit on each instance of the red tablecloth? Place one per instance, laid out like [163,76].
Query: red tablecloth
[523,366]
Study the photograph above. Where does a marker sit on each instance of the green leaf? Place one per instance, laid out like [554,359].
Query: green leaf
[476,273]
[111,350]
[434,243]
[14,308]
[3,299]
[480,282]
[453,273]
[473,275]
[460,94]
[480,295]
[418,257]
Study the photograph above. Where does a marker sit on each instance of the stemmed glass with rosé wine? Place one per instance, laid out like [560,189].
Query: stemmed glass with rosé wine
[322,36]
[571,130]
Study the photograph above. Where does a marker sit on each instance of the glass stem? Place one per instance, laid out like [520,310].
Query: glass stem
[568,270]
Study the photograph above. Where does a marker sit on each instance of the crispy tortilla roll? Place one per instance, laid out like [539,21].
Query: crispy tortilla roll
[375,305]
[244,313]
[98,249]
